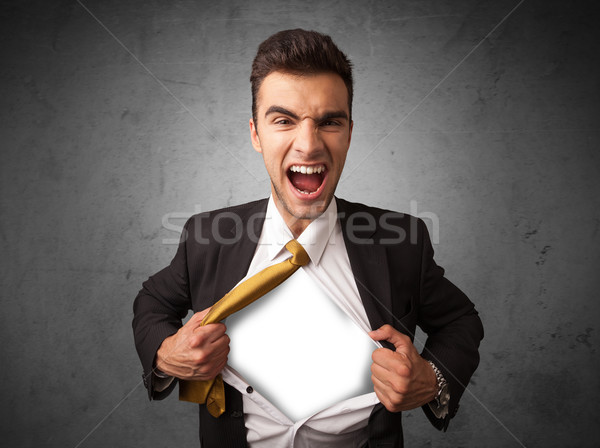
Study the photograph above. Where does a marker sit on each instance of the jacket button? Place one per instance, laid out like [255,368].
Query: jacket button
[236,414]
[249,389]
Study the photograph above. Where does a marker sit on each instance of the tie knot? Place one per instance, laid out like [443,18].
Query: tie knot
[299,255]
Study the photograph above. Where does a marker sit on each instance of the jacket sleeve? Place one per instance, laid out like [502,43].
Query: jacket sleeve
[158,309]
[454,329]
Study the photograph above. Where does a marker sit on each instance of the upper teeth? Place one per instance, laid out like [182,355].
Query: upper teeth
[307,169]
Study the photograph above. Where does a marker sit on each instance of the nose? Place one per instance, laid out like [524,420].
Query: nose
[308,139]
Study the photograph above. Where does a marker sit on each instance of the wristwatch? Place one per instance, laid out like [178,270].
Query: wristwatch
[442,397]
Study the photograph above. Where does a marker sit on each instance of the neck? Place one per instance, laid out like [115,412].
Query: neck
[297,226]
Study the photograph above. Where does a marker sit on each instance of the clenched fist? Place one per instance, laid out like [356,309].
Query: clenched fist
[402,379]
[195,352]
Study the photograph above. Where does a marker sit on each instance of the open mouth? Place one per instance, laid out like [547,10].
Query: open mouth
[307,179]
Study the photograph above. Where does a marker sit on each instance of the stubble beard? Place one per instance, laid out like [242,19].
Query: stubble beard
[314,211]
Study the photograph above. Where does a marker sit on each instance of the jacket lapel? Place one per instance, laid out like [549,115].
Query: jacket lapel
[368,261]
[234,259]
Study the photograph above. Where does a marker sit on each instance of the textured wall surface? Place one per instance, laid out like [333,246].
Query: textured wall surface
[120,118]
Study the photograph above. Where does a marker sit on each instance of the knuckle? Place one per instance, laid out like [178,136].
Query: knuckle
[396,386]
[395,408]
[199,358]
[396,398]
[401,391]
[200,339]
[391,406]
[218,327]
[404,370]
[399,387]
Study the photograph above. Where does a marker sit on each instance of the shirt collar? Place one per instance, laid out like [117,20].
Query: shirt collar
[314,239]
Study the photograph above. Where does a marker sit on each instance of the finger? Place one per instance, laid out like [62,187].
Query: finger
[396,379]
[395,361]
[383,387]
[379,372]
[390,334]
[219,346]
[214,371]
[390,399]
[392,368]
[207,360]
[211,363]
[208,334]
[221,351]
[196,318]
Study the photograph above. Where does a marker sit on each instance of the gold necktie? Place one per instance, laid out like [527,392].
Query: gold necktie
[212,392]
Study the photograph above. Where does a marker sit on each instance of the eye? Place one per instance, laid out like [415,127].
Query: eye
[283,121]
[327,123]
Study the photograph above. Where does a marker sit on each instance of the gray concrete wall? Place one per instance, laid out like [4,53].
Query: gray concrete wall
[119,118]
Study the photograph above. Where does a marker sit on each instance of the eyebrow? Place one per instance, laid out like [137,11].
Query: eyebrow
[334,114]
[324,117]
[281,110]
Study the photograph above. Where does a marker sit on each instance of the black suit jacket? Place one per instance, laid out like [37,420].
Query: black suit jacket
[398,281]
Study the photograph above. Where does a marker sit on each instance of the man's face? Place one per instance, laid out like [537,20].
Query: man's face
[303,131]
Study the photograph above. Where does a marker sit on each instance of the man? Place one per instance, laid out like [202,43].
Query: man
[302,125]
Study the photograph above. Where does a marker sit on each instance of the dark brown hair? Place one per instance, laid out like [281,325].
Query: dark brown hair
[299,52]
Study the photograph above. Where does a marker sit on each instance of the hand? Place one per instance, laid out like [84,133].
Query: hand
[195,352]
[402,379]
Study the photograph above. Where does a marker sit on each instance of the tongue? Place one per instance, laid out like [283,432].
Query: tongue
[306,182]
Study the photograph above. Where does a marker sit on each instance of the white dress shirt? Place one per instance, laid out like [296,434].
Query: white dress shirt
[342,424]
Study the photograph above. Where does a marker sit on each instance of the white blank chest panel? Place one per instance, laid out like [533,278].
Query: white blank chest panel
[299,350]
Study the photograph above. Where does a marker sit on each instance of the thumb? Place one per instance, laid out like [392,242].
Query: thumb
[388,333]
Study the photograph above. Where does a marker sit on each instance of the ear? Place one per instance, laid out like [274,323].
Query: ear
[254,136]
